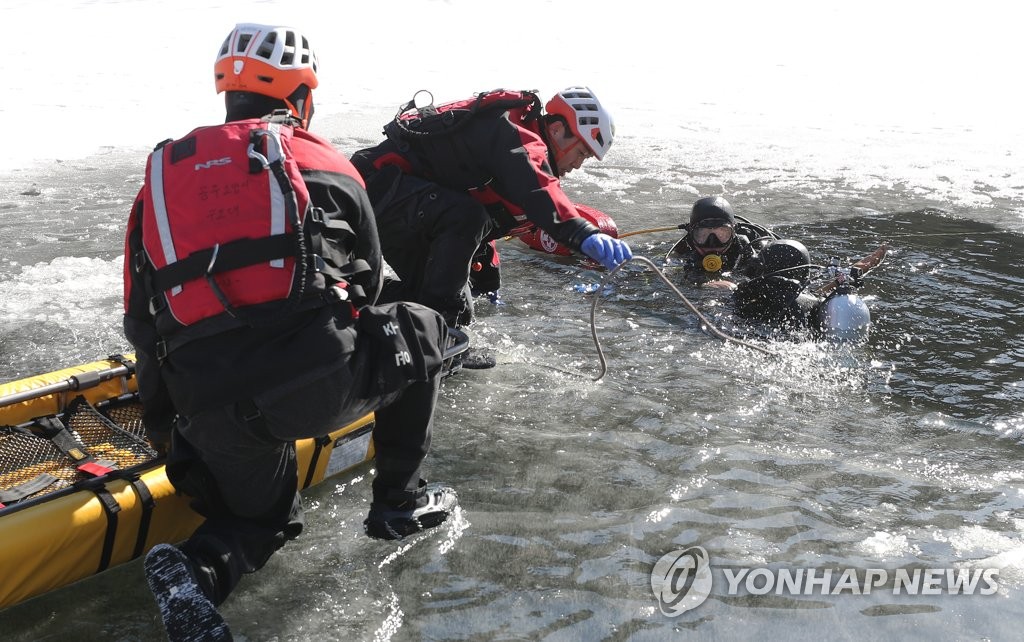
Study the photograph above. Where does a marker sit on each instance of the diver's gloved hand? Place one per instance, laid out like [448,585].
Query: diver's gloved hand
[607,251]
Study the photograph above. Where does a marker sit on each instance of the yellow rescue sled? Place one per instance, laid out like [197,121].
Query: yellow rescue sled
[82,490]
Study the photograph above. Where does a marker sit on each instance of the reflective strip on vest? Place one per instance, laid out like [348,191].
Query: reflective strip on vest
[163,226]
[275,152]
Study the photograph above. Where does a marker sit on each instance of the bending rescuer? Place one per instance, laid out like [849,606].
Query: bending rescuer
[448,181]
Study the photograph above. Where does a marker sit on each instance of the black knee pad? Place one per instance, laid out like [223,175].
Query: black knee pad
[189,475]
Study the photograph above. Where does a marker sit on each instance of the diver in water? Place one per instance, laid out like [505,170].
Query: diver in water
[717,242]
[770,276]
[778,292]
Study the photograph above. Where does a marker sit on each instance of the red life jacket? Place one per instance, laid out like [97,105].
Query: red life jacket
[414,124]
[222,223]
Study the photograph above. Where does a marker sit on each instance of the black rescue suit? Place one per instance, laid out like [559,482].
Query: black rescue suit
[232,398]
[779,301]
[437,202]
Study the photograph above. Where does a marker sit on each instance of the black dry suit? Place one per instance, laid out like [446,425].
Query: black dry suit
[449,179]
[236,395]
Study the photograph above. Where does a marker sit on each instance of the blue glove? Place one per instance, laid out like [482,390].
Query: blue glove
[607,251]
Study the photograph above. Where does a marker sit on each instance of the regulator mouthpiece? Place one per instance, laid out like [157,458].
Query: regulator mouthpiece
[711,263]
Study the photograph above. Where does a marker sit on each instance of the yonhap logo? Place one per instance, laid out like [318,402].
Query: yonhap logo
[681,580]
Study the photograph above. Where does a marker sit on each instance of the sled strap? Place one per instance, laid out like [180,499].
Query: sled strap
[148,504]
[61,437]
[111,508]
[318,447]
[24,489]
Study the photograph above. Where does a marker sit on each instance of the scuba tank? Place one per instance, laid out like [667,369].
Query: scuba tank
[843,316]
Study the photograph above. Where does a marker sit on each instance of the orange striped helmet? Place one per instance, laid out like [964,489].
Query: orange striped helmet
[267,60]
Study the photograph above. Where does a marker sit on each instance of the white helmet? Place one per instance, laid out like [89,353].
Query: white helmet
[264,59]
[589,121]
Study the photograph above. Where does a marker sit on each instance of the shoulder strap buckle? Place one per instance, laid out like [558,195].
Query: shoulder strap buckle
[157,303]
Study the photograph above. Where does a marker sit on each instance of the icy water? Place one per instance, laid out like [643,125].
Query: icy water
[903,453]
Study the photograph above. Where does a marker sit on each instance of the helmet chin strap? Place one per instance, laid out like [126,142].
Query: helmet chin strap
[557,137]
[300,103]
[562,152]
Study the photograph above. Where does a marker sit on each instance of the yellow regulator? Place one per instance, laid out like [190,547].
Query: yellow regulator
[712,263]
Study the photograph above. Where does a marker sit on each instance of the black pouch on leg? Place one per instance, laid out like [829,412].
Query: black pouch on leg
[409,342]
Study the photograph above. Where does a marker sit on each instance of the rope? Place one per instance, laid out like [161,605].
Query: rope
[710,326]
[651,231]
[622,236]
